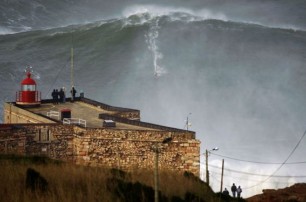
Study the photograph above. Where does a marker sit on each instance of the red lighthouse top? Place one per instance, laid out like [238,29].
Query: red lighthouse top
[28,95]
[28,80]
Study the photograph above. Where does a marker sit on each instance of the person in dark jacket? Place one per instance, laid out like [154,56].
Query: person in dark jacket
[73,93]
[234,190]
[61,95]
[225,192]
[54,96]
[239,190]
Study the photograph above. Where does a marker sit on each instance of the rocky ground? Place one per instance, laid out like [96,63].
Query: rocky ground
[295,193]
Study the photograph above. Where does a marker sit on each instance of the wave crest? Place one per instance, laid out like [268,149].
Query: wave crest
[145,13]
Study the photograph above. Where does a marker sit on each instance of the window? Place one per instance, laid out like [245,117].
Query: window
[44,135]
[28,87]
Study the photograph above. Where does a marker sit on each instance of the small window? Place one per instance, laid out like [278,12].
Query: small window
[44,135]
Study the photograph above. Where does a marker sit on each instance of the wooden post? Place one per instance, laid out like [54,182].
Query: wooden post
[207,172]
[221,188]
[157,150]
[156,180]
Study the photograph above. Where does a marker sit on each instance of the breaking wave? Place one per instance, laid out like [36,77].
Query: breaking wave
[246,77]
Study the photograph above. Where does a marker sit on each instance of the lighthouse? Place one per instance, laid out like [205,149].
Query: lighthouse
[28,96]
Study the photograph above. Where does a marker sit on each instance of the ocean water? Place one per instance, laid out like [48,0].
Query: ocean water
[239,77]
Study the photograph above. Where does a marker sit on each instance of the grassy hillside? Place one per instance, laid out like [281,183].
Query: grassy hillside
[68,182]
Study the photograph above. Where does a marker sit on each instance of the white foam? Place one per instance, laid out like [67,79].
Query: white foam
[157,11]
[5,31]
[190,15]
[151,40]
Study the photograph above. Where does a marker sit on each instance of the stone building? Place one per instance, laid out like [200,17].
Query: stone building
[88,132]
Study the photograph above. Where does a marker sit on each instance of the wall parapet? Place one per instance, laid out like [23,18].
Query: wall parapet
[149,135]
[144,124]
[107,107]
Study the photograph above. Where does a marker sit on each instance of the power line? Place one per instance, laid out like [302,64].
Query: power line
[241,178]
[229,185]
[258,162]
[55,80]
[273,174]
[251,179]
[296,146]
[256,174]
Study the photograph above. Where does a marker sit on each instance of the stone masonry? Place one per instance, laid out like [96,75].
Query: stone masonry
[120,149]
[127,147]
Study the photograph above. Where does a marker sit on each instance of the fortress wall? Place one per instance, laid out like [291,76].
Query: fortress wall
[12,141]
[123,149]
[127,149]
[53,140]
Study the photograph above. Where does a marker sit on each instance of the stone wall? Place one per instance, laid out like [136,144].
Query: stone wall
[53,140]
[127,149]
[123,149]
[12,141]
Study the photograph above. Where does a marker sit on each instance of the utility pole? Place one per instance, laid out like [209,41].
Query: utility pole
[156,180]
[206,157]
[221,188]
[207,172]
[157,148]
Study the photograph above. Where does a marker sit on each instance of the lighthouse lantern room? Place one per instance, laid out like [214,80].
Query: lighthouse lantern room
[28,96]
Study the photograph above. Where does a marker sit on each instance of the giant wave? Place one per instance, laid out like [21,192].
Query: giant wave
[243,82]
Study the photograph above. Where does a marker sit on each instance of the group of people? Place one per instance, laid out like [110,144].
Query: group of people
[59,96]
[235,191]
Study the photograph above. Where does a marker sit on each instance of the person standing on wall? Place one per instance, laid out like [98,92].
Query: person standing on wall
[73,92]
[61,95]
[54,96]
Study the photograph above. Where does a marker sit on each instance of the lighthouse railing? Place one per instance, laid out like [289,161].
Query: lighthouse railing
[20,97]
[37,96]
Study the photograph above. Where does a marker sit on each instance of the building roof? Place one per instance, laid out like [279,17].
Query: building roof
[94,114]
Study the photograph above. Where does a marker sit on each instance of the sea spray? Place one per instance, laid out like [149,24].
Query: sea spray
[151,40]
